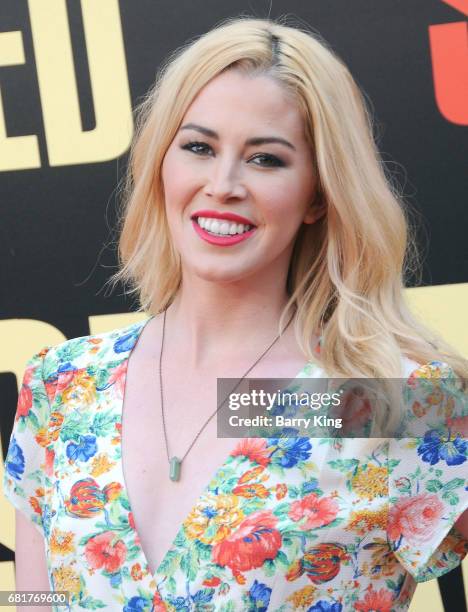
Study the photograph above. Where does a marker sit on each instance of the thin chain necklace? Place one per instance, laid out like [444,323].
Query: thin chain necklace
[175,463]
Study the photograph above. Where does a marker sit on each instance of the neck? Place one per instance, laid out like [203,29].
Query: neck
[212,320]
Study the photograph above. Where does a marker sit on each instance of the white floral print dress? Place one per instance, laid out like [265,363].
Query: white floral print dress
[312,524]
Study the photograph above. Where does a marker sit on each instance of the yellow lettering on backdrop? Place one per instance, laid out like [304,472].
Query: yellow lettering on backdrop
[16,152]
[67,143]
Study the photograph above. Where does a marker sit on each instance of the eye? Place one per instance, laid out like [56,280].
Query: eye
[199,148]
[270,161]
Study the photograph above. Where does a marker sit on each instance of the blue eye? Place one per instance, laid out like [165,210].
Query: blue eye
[190,146]
[272,160]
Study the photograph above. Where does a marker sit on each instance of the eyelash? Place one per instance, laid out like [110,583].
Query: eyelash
[277,163]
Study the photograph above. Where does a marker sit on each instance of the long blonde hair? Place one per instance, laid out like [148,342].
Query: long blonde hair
[346,277]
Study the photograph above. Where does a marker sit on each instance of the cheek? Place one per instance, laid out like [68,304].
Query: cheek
[286,204]
[179,180]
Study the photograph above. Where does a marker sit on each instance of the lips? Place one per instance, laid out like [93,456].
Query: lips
[221,241]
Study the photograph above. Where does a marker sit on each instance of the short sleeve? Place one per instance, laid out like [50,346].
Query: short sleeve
[29,451]
[427,475]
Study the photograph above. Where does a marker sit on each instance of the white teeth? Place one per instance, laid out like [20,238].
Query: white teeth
[221,227]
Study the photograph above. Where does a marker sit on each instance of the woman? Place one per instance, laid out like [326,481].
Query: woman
[260,234]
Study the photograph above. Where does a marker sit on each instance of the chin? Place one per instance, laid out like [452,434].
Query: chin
[220,274]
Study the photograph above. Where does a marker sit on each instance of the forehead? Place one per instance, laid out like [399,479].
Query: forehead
[233,99]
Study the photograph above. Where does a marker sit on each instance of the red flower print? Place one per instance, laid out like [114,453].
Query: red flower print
[321,563]
[49,461]
[35,505]
[131,520]
[375,601]
[117,377]
[86,499]
[253,448]
[212,582]
[316,511]
[25,400]
[158,603]
[459,425]
[105,551]
[415,518]
[254,541]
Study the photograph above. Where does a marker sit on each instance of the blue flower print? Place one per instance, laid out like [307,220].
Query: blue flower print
[15,460]
[434,448]
[259,596]
[126,343]
[136,604]
[290,451]
[82,451]
[324,606]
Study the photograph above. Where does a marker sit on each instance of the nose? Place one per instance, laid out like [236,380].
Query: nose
[224,183]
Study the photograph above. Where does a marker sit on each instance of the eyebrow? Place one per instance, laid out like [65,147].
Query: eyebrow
[259,140]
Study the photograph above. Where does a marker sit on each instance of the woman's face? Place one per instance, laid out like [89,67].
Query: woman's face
[239,180]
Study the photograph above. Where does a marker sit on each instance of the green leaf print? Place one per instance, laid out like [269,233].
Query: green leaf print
[104,423]
[170,563]
[434,485]
[75,426]
[91,604]
[71,350]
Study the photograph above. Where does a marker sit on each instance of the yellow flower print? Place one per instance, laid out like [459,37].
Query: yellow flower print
[83,389]
[363,521]
[61,542]
[213,518]
[66,579]
[384,562]
[101,464]
[370,482]
[302,598]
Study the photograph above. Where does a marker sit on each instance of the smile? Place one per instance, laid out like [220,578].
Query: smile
[218,227]
[221,232]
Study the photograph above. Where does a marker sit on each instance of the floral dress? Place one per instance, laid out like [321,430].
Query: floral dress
[311,524]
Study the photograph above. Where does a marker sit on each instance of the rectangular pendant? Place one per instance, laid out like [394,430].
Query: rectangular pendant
[174,468]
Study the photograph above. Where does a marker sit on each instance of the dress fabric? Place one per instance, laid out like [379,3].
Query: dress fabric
[312,524]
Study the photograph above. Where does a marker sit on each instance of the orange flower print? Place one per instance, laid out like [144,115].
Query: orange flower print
[321,563]
[251,544]
[254,449]
[251,490]
[415,518]
[136,572]
[380,600]
[55,423]
[105,551]
[316,512]
[86,499]
[281,490]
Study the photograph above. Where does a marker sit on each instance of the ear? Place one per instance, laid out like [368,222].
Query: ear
[315,210]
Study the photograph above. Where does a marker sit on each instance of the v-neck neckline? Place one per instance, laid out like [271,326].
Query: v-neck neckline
[153,575]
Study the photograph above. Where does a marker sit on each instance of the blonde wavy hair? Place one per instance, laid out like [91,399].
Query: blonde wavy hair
[346,276]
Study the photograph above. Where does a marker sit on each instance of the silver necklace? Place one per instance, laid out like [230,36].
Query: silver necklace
[175,463]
